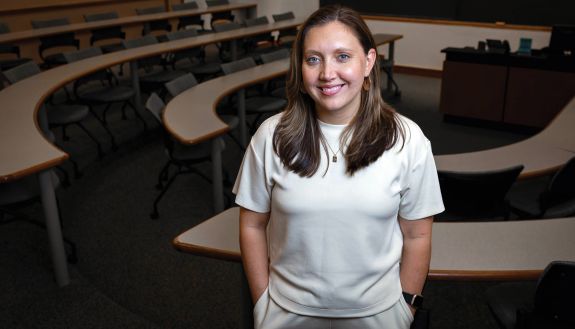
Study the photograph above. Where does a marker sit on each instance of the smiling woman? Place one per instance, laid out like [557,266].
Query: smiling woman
[321,239]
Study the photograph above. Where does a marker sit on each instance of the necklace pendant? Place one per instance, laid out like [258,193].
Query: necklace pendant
[334,158]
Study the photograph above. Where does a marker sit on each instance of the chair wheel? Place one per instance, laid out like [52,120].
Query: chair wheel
[154,215]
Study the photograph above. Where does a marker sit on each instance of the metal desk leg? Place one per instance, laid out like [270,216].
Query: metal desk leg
[242,117]
[55,237]
[138,94]
[391,58]
[217,177]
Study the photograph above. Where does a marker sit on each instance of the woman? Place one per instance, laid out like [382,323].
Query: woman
[336,191]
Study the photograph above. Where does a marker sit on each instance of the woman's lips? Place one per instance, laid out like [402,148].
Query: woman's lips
[330,90]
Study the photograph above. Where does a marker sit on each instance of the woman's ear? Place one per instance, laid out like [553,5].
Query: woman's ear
[371,58]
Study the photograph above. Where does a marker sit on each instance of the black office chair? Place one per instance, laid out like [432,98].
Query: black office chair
[162,25]
[8,49]
[276,86]
[153,71]
[186,21]
[477,195]
[102,88]
[65,40]
[285,37]
[547,304]
[260,44]
[557,200]
[106,34]
[258,105]
[222,16]
[225,48]
[183,157]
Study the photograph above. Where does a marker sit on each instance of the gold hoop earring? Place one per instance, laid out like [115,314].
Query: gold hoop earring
[366,83]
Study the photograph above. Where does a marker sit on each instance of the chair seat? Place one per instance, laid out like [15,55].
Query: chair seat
[161,76]
[505,299]
[7,64]
[206,68]
[57,59]
[231,120]
[109,94]
[106,49]
[65,114]
[264,104]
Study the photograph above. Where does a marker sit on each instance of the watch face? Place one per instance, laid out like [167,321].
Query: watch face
[417,301]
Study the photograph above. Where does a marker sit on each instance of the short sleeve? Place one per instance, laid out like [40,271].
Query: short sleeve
[421,193]
[253,184]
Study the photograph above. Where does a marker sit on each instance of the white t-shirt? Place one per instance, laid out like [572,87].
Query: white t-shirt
[334,240]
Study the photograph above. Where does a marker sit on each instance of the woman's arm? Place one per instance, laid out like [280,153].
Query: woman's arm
[254,248]
[416,253]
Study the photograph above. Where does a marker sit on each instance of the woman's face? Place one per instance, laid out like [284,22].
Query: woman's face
[334,66]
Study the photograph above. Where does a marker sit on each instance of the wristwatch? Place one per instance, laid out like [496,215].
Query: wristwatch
[413,300]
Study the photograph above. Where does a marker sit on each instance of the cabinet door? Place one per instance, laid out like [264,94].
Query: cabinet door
[473,90]
[534,96]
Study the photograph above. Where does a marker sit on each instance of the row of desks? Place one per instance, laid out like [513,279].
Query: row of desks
[19,36]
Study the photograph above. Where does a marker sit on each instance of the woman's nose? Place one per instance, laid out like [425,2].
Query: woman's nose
[327,71]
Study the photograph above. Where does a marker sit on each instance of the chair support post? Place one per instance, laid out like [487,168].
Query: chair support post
[217,177]
[136,86]
[53,227]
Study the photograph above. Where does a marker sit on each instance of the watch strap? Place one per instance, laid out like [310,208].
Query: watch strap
[413,300]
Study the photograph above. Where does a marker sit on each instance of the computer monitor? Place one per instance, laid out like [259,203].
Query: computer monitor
[562,40]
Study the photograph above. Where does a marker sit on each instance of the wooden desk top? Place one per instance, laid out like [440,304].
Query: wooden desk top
[460,251]
[24,150]
[14,37]
[541,154]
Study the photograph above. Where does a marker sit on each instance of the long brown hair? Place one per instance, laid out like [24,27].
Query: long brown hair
[374,129]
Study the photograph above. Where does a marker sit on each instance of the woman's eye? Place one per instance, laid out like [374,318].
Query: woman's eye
[343,57]
[312,60]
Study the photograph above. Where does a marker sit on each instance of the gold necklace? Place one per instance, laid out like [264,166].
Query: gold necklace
[334,157]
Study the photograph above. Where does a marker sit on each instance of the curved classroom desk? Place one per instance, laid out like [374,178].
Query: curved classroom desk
[25,151]
[541,154]
[17,36]
[506,250]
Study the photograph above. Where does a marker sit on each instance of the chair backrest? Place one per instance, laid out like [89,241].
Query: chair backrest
[275,55]
[262,20]
[4,28]
[239,65]
[140,42]
[283,16]
[81,54]
[156,25]
[101,16]
[477,194]
[63,39]
[226,27]
[561,188]
[41,24]
[178,85]
[112,32]
[182,34]
[156,106]
[555,291]
[150,10]
[212,3]
[21,72]
[185,6]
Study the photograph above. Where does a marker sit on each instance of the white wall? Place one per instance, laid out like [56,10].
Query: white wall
[422,43]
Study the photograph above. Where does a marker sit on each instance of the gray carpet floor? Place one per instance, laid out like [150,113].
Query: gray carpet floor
[129,275]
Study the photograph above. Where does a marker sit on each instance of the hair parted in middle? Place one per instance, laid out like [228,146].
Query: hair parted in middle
[374,129]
